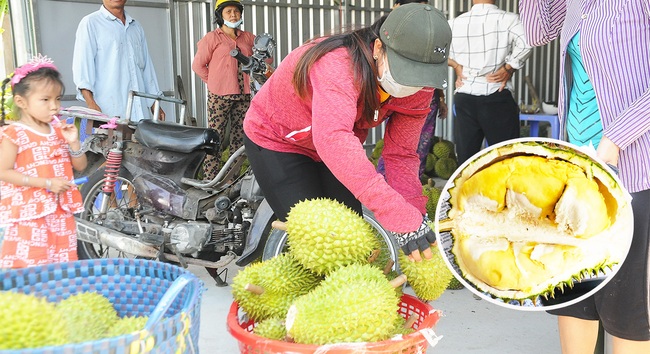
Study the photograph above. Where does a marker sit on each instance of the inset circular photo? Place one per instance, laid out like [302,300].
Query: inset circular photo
[534,224]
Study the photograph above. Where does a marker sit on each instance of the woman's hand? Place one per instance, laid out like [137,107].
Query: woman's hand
[608,151]
[421,239]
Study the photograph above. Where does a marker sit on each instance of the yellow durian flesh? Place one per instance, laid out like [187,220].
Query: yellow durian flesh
[529,217]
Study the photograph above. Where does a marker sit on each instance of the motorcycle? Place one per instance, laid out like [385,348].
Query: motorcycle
[146,199]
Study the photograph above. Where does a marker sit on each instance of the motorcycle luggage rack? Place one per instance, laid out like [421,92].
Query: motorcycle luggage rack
[156,104]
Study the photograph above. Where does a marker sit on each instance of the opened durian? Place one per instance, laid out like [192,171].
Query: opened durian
[531,217]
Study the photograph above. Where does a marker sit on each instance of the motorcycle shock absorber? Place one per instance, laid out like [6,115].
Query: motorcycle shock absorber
[111,173]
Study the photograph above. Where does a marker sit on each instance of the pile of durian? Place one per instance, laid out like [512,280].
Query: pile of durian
[441,159]
[30,321]
[334,285]
[530,218]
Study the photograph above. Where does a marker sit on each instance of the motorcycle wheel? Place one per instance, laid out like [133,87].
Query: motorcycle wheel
[122,204]
[277,241]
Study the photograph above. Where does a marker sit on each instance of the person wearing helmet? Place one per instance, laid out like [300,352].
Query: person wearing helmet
[306,126]
[229,92]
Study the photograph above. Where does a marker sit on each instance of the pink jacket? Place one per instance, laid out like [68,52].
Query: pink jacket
[328,127]
[216,67]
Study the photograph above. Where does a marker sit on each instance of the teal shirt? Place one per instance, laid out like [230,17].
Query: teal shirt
[583,119]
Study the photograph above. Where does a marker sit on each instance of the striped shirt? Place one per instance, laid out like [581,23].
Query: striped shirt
[483,40]
[615,46]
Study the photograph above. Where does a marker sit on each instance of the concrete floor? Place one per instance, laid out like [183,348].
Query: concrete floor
[468,325]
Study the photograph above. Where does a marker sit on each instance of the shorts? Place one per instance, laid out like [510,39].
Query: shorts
[623,304]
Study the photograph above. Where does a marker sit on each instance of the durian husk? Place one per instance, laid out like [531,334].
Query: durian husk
[561,229]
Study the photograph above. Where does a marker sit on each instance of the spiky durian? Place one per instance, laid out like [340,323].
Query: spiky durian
[268,288]
[445,167]
[376,151]
[324,235]
[528,217]
[271,328]
[127,325]
[401,327]
[430,163]
[355,303]
[429,278]
[455,284]
[87,315]
[433,194]
[443,149]
[284,274]
[28,321]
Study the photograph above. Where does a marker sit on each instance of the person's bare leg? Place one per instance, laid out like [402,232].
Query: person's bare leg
[626,346]
[577,336]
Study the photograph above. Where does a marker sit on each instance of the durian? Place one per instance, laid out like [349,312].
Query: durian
[432,193]
[127,325]
[355,303]
[445,167]
[404,326]
[443,149]
[529,217]
[271,328]
[455,284]
[429,278]
[28,321]
[430,163]
[376,151]
[324,235]
[87,316]
[268,288]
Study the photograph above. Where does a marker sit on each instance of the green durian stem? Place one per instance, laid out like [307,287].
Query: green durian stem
[277,224]
[411,320]
[374,255]
[401,279]
[389,266]
[255,289]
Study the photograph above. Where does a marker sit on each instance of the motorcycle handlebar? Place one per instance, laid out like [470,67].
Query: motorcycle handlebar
[244,60]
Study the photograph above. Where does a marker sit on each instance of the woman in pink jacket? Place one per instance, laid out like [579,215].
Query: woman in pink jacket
[229,93]
[306,127]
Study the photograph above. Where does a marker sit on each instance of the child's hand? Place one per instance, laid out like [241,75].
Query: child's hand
[59,185]
[69,132]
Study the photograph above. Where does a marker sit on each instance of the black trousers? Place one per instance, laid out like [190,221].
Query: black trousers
[287,178]
[494,117]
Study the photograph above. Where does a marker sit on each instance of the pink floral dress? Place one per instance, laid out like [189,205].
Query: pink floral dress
[39,226]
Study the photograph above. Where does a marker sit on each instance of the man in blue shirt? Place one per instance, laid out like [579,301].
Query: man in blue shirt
[110,59]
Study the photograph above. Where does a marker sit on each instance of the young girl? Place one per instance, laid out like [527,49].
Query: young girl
[37,154]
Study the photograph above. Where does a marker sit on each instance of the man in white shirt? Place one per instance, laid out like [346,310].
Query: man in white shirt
[488,45]
[110,59]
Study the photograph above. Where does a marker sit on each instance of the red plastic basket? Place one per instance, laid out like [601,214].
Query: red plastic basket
[250,343]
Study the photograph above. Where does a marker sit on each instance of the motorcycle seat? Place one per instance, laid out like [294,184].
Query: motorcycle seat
[176,137]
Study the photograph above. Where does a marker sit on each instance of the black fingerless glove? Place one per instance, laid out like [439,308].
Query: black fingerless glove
[420,239]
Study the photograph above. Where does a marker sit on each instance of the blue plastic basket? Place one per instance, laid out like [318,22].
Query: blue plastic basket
[169,295]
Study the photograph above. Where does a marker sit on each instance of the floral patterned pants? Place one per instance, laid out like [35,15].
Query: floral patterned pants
[221,111]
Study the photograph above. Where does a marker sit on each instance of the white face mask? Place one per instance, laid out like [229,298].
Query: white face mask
[392,87]
[232,24]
